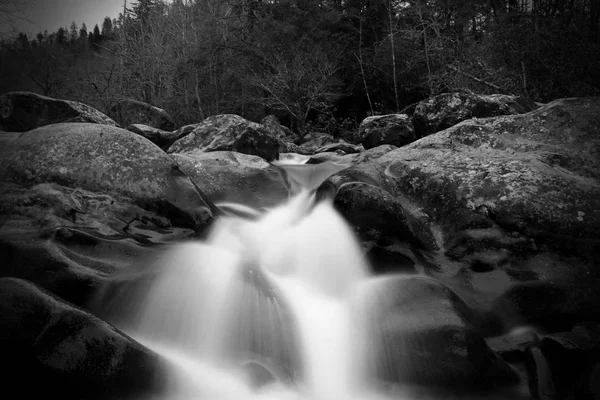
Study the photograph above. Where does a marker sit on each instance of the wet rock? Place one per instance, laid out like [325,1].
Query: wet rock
[563,365]
[162,139]
[552,305]
[23,111]
[448,109]
[231,177]
[484,206]
[262,327]
[79,201]
[394,129]
[128,112]
[53,349]
[70,240]
[421,332]
[541,384]
[228,132]
[258,374]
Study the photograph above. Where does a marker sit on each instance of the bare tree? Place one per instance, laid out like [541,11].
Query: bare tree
[12,11]
[298,82]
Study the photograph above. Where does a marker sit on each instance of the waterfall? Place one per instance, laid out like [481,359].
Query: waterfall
[266,307]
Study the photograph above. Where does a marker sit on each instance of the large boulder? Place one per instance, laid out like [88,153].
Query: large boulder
[127,112]
[228,132]
[445,110]
[78,201]
[23,111]
[231,177]
[495,205]
[394,129]
[419,331]
[53,349]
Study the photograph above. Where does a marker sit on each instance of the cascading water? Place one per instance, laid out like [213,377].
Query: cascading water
[264,308]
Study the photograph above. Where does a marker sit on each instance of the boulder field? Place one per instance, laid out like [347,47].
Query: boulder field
[481,223]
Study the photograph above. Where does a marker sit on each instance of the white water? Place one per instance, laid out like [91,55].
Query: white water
[274,291]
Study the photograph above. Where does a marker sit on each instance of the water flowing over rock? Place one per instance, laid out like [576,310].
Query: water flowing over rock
[394,129]
[448,109]
[494,203]
[127,112]
[269,294]
[228,132]
[52,349]
[81,200]
[23,111]
[420,331]
[231,177]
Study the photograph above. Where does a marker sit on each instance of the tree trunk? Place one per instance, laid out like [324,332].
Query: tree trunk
[393,48]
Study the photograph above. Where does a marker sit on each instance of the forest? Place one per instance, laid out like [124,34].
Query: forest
[316,64]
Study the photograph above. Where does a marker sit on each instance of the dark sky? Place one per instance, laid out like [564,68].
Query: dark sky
[52,14]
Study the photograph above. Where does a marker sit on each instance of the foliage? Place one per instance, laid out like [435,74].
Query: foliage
[313,63]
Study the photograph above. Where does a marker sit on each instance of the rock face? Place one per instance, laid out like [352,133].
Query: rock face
[227,176]
[23,111]
[445,110]
[53,349]
[394,129]
[128,112]
[505,203]
[228,132]
[419,331]
[80,200]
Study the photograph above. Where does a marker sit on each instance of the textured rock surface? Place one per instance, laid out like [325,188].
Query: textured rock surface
[445,110]
[499,205]
[78,201]
[227,176]
[394,129]
[228,132]
[53,349]
[23,111]
[97,158]
[128,112]
[274,127]
[419,331]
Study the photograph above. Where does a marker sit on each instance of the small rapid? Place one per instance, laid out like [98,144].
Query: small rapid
[270,306]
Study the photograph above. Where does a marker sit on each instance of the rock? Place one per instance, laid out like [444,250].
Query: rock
[274,127]
[231,177]
[340,146]
[79,201]
[563,365]
[445,110]
[102,159]
[421,332]
[552,305]
[128,112]
[228,132]
[260,309]
[162,139]
[53,349]
[394,129]
[258,375]
[23,111]
[496,206]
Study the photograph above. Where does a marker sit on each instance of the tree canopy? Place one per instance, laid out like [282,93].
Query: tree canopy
[327,62]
